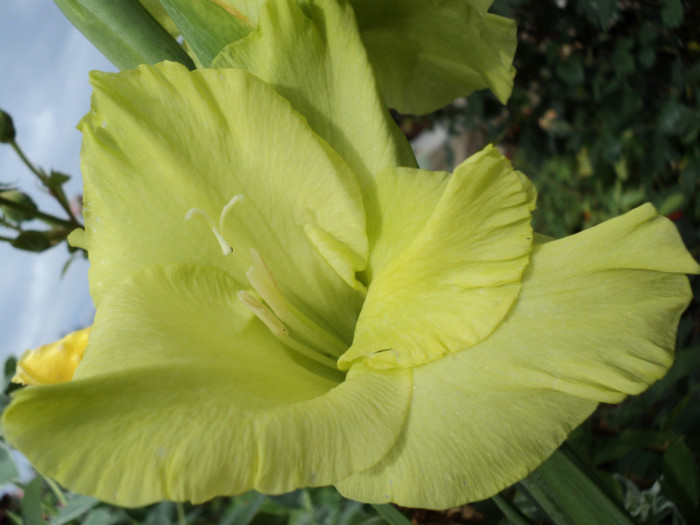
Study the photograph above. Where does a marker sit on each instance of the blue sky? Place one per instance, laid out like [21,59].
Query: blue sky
[44,65]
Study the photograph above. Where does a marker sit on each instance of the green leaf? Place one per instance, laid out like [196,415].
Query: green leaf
[510,511]
[672,13]
[206,26]
[571,71]
[599,12]
[9,370]
[32,241]
[31,503]
[101,516]
[681,480]
[571,495]
[244,514]
[17,214]
[7,128]
[57,179]
[622,58]
[161,514]
[629,440]
[8,467]
[124,32]
[77,506]
[672,202]
[391,514]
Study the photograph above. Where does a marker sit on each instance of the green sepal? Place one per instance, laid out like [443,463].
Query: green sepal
[26,207]
[206,27]
[570,495]
[124,32]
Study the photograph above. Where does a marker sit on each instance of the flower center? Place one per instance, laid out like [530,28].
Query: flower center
[285,321]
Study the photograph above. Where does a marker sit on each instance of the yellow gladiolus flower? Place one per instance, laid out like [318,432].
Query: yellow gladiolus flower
[285,300]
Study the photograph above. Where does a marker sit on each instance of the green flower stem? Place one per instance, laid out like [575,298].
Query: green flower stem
[391,514]
[57,491]
[6,239]
[181,519]
[50,219]
[42,176]
[57,192]
[510,511]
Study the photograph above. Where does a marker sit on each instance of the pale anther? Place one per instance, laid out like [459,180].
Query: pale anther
[197,213]
[263,313]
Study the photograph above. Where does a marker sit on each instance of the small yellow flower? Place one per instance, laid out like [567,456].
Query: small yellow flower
[52,363]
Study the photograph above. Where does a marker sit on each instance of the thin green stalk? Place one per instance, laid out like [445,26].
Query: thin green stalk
[57,491]
[7,239]
[42,176]
[181,519]
[56,192]
[50,219]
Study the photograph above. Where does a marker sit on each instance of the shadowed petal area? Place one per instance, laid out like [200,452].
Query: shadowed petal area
[172,405]
[161,142]
[425,54]
[457,279]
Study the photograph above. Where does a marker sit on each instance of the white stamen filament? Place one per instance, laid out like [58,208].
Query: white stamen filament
[225,210]
[261,278]
[278,329]
[197,213]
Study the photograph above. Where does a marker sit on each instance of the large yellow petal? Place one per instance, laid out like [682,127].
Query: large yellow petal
[182,396]
[467,437]
[162,141]
[457,279]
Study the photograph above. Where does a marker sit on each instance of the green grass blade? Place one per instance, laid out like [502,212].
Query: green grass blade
[570,495]
[391,514]
[510,511]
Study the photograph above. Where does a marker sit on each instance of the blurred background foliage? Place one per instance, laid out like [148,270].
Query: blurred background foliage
[605,115]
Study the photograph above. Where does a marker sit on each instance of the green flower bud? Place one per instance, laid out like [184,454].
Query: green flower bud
[7,128]
[16,214]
